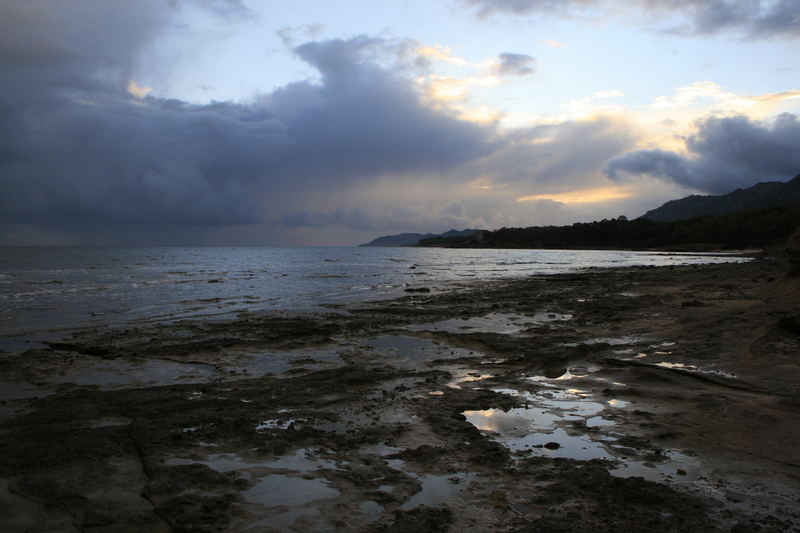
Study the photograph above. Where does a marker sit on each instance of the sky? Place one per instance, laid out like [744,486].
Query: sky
[245,122]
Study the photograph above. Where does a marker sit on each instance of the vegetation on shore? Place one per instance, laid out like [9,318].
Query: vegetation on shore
[751,228]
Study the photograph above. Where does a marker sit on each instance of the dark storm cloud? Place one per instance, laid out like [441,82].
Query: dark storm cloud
[543,159]
[724,153]
[363,120]
[752,18]
[356,218]
[444,214]
[79,149]
[515,65]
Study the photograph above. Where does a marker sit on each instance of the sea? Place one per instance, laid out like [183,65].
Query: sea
[47,292]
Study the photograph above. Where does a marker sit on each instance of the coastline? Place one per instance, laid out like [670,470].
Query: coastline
[659,398]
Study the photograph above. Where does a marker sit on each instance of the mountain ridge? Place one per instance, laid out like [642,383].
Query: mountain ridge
[763,194]
[412,239]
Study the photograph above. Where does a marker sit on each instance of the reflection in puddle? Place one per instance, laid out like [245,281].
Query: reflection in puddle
[531,428]
[550,426]
[275,423]
[673,466]
[466,376]
[503,323]
[598,421]
[436,489]
[679,366]
[381,449]
[579,447]
[691,368]
[514,422]
[572,372]
[300,461]
[277,490]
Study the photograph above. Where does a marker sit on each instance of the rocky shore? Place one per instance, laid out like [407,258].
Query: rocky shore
[640,399]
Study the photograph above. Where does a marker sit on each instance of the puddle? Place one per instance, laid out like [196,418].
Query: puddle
[679,366]
[114,374]
[598,421]
[276,424]
[259,364]
[298,494]
[381,449]
[613,341]
[579,447]
[466,376]
[21,390]
[371,510]
[436,489]
[674,466]
[406,351]
[278,489]
[687,367]
[224,462]
[536,428]
[513,423]
[109,421]
[300,461]
[504,323]
[580,371]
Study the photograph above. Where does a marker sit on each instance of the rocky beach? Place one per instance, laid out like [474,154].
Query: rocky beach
[638,399]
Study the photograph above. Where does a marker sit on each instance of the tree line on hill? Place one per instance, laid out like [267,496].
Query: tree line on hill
[751,228]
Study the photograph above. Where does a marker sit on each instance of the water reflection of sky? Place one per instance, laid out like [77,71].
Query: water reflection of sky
[42,288]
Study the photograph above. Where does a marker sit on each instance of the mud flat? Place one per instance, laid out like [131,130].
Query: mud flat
[640,399]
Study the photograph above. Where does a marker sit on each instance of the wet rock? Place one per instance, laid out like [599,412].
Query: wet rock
[793,251]
[421,518]
[790,324]
[417,289]
[96,351]
[692,303]
[552,446]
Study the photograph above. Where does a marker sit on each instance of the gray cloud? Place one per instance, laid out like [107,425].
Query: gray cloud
[756,19]
[224,8]
[376,218]
[556,157]
[724,153]
[522,7]
[515,65]
[79,150]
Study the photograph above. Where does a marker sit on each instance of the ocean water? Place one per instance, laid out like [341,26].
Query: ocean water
[46,292]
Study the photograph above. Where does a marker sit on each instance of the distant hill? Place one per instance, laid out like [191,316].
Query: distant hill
[765,194]
[411,239]
[749,228]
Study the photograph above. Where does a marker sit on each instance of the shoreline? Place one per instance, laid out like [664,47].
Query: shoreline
[520,404]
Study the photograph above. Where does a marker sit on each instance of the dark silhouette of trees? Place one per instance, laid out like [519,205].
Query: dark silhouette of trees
[741,229]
